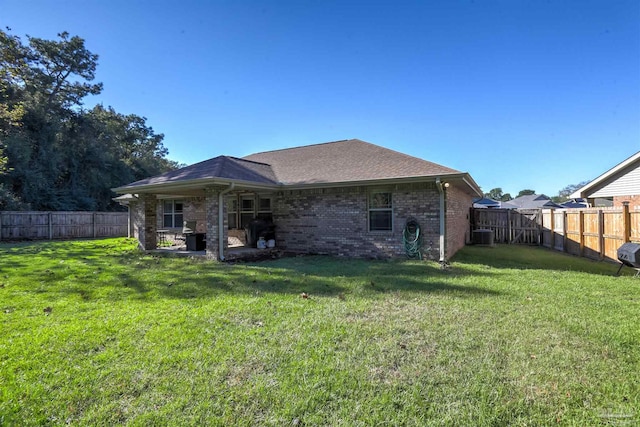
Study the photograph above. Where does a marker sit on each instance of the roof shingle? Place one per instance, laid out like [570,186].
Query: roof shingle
[345,161]
[218,167]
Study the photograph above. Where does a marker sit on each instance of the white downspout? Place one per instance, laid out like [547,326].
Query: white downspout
[221,220]
[440,186]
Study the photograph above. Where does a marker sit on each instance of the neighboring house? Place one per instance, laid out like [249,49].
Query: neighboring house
[575,203]
[534,201]
[349,198]
[619,184]
[487,203]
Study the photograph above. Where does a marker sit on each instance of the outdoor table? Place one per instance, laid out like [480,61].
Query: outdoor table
[162,237]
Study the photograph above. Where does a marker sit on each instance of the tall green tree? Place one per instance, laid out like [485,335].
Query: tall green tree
[55,154]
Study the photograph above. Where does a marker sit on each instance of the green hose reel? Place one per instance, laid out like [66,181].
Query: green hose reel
[412,239]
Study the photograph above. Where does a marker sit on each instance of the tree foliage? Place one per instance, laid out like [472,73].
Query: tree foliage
[54,153]
[526,192]
[566,192]
[497,194]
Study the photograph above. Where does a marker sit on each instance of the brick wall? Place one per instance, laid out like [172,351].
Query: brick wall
[335,221]
[633,200]
[458,203]
[193,210]
[136,223]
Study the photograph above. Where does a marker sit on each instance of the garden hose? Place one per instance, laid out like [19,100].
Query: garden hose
[412,239]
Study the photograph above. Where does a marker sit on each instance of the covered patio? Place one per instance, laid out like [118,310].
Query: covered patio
[218,197]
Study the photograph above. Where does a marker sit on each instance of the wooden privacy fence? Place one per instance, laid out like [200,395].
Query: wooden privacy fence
[595,233]
[509,226]
[62,225]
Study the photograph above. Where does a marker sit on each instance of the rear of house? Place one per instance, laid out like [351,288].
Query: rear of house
[347,198]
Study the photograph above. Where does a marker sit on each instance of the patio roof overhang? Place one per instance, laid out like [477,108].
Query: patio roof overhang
[197,186]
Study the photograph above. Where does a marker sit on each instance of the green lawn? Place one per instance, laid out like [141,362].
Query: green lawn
[96,333]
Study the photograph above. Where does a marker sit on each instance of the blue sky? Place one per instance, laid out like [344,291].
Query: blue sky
[520,94]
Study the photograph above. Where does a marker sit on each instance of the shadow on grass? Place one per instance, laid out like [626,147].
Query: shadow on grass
[112,269]
[524,257]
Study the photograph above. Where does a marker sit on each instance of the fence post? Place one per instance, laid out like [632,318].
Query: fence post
[509,230]
[552,228]
[581,231]
[49,219]
[564,231]
[626,221]
[0,226]
[601,232]
[93,224]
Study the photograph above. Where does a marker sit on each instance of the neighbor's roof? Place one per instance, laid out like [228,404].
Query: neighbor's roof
[339,162]
[345,161]
[533,201]
[592,189]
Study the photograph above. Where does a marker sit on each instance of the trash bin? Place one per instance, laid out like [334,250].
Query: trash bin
[196,242]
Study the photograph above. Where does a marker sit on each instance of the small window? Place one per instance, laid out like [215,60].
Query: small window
[380,212]
[264,209]
[264,204]
[172,213]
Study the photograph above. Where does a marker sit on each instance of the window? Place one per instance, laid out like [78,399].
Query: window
[232,213]
[247,211]
[264,209]
[243,208]
[172,214]
[380,212]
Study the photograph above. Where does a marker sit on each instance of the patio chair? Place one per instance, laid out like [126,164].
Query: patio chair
[189,227]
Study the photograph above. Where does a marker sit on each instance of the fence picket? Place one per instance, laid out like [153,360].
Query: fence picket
[594,233]
[18,225]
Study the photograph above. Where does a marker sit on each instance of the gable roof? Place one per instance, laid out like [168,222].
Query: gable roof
[333,163]
[345,161]
[597,187]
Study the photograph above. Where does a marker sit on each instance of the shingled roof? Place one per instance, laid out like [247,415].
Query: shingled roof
[218,167]
[345,161]
[329,163]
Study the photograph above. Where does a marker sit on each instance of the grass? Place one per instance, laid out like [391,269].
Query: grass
[96,333]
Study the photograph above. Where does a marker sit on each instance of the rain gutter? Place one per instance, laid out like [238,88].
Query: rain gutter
[441,187]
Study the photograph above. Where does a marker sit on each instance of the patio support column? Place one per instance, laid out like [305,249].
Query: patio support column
[211,208]
[147,236]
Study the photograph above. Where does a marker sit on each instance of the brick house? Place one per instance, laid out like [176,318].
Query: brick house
[346,198]
[619,184]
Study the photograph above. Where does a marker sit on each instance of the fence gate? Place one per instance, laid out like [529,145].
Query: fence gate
[509,226]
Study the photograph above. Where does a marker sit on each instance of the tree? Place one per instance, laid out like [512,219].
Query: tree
[54,154]
[497,194]
[565,193]
[526,193]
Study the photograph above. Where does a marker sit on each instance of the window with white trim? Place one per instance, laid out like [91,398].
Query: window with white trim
[264,208]
[380,211]
[232,213]
[247,209]
[244,208]
[172,213]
